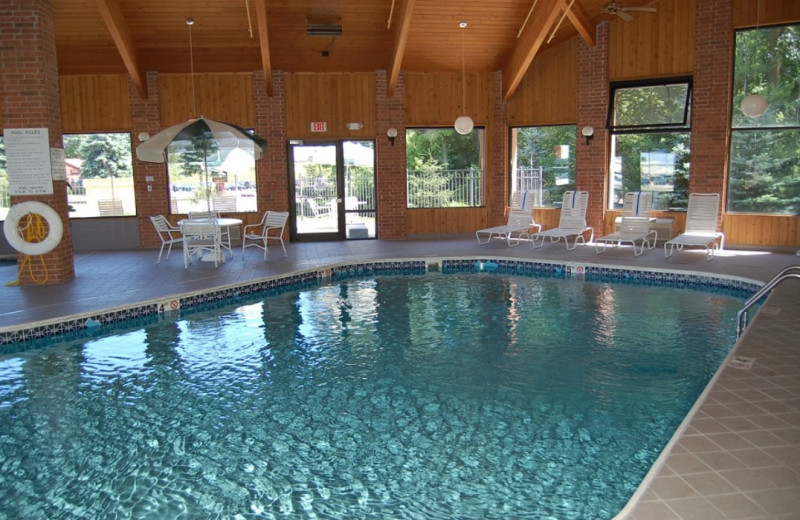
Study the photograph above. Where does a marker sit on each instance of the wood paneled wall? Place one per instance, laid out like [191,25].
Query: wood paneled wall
[547,95]
[335,98]
[224,97]
[748,13]
[436,99]
[653,44]
[761,230]
[98,103]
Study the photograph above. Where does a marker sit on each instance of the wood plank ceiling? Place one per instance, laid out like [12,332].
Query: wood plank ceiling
[137,36]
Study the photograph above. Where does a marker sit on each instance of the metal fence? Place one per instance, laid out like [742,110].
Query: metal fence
[529,179]
[444,188]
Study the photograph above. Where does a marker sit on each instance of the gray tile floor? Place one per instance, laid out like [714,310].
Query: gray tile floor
[737,455]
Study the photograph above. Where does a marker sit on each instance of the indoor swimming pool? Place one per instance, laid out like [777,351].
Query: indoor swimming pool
[471,395]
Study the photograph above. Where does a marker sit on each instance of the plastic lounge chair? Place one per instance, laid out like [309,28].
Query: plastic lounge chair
[701,226]
[271,227]
[168,234]
[520,222]
[202,237]
[572,222]
[318,211]
[634,226]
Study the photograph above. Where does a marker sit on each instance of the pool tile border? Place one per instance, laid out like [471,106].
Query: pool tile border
[20,339]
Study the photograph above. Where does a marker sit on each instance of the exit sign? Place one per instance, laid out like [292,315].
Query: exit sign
[319,126]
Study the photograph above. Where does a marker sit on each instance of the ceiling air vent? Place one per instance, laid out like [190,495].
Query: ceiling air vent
[324,27]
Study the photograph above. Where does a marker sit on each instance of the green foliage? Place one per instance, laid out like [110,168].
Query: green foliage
[103,155]
[764,174]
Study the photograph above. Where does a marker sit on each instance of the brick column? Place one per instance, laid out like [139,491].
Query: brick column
[146,117]
[497,180]
[591,161]
[390,112]
[30,93]
[711,107]
[272,175]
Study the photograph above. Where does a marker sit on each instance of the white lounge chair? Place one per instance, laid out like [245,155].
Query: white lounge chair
[572,222]
[701,226]
[202,238]
[168,234]
[519,224]
[634,225]
[271,227]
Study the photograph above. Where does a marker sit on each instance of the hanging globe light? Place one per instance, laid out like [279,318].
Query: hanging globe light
[754,105]
[464,125]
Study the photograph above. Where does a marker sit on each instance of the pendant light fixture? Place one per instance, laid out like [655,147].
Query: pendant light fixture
[754,105]
[463,124]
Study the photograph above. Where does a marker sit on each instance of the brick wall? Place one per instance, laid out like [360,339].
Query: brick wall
[497,181]
[146,117]
[391,160]
[270,116]
[591,162]
[30,94]
[713,48]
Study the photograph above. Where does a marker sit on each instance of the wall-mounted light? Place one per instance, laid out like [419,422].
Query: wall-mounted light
[588,133]
[144,136]
[354,126]
[391,134]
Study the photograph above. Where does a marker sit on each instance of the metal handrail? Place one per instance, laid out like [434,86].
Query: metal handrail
[741,317]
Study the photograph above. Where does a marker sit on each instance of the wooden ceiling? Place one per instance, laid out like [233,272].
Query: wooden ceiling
[137,36]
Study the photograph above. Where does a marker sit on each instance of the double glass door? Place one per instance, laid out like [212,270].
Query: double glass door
[333,190]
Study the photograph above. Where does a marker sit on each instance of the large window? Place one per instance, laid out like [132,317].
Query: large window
[444,168]
[99,175]
[650,141]
[204,178]
[543,162]
[764,170]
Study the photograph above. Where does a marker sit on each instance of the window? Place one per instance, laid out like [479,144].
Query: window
[650,141]
[99,175]
[444,168]
[543,162]
[204,178]
[764,172]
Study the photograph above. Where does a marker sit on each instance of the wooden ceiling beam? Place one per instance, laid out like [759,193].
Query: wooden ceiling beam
[580,20]
[118,28]
[263,39]
[400,41]
[541,21]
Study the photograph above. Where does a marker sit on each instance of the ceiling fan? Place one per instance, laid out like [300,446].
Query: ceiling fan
[618,10]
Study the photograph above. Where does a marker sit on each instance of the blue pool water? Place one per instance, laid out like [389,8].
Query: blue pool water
[422,397]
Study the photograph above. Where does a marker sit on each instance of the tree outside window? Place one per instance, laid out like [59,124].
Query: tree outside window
[764,169]
[444,169]
[543,162]
[650,141]
[99,175]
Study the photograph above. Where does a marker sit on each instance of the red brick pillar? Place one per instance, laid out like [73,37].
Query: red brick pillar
[711,106]
[30,99]
[272,176]
[152,196]
[497,179]
[391,173]
[591,162]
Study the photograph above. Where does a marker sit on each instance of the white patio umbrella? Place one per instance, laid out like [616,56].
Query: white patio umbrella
[227,136]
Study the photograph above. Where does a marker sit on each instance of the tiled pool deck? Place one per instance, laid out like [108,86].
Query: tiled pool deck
[738,454]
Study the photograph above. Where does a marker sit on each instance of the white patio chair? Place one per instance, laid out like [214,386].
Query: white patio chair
[168,234]
[519,224]
[271,227]
[572,222]
[202,238]
[701,226]
[634,225]
[224,231]
[318,211]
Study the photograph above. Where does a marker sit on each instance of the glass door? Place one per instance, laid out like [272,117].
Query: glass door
[333,190]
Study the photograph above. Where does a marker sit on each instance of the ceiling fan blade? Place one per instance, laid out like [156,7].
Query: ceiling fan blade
[625,16]
[641,9]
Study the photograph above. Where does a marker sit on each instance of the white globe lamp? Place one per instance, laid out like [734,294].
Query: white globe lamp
[754,105]
[464,125]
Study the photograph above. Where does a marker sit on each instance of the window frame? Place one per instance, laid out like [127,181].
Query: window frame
[684,125]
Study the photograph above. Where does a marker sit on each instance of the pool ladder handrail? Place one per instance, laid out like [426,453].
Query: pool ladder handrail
[741,317]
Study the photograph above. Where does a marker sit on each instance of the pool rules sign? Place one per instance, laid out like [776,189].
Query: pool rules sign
[28,161]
